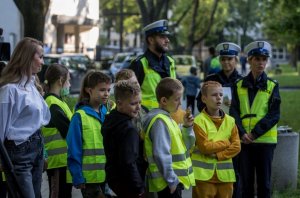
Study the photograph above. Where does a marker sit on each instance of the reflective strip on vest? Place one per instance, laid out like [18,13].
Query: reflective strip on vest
[93,159]
[252,115]
[55,145]
[150,82]
[205,167]
[181,161]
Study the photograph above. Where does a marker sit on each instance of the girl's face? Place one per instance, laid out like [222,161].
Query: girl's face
[38,60]
[99,94]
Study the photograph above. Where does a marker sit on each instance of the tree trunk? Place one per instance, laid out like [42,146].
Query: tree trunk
[33,12]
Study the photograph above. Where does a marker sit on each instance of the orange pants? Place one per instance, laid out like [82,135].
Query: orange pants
[212,190]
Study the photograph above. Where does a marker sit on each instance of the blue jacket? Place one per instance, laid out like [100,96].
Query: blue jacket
[74,141]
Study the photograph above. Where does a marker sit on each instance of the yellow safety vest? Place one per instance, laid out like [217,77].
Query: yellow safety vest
[252,115]
[181,161]
[150,82]
[93,160]
[55,145]
[204,166]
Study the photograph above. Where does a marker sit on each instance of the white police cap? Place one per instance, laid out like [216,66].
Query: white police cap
[228,49]
[160,27]
[258,48]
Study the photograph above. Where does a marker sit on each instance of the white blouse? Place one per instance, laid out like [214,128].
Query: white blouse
[22,111]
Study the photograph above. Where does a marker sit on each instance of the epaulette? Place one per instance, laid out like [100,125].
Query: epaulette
[138,58]
[273,80]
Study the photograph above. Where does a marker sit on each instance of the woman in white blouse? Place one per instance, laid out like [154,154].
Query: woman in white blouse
[22,113]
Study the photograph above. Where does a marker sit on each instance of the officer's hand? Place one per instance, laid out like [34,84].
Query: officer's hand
[172,189]
[246,139]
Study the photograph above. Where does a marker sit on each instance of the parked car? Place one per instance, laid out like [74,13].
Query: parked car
[78,64]
[183,63]
[122,61]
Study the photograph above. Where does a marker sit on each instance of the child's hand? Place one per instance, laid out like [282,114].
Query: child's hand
[188,120]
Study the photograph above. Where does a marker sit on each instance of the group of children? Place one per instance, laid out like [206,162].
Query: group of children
[114,147]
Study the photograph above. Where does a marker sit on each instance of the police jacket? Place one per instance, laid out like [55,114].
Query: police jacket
[222,79]
[123,148]
[273,115]
[160,65]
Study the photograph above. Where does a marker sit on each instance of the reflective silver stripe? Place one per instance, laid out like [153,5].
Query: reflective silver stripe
[52,138]
[89,167]
[223,166]
[203,165]
[196,151]
[175,158]
[91,152]
[57,151]
[178,172]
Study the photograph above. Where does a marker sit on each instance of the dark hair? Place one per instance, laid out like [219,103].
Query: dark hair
[2,65]
[91,80]
[212,50]
[53,73]
[167,87]
[124,89]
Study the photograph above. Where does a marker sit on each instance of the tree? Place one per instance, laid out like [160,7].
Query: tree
[281,24]
[244,16]
[204,18]
[34,13]
[152,10]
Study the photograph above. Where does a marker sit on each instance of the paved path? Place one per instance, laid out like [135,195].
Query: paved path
[77,194]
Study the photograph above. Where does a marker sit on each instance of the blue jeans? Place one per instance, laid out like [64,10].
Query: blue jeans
[27,159]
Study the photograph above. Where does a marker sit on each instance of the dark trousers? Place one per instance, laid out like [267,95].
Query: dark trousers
[256,159]
[165,193]
[190,101]
[124,191]
[237,183]
[3,187]
[58,187]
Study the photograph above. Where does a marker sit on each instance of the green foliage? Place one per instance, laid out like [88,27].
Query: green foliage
[202,19]
[290,108]
[281,21]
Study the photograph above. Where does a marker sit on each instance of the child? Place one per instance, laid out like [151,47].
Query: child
[57,84]
[125,167]
[217,142]
[86,158]
[191,84]
[166,147]
[128,74]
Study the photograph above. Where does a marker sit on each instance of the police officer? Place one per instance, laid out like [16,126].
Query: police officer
[228,55]
[154,64]
[256,109]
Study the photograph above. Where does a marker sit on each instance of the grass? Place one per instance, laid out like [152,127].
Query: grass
[288,78]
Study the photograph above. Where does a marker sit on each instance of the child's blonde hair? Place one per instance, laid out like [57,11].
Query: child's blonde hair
[124,89]
[91,80]
[207,85]
[167,87]
[124,74]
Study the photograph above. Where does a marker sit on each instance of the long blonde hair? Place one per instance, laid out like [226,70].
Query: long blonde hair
[21,62]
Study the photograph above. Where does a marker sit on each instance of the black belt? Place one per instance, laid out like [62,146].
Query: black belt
[248,116]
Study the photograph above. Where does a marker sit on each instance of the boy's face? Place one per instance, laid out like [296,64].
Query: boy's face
[99,94]
[172,103]
[214,98]
[130,106]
